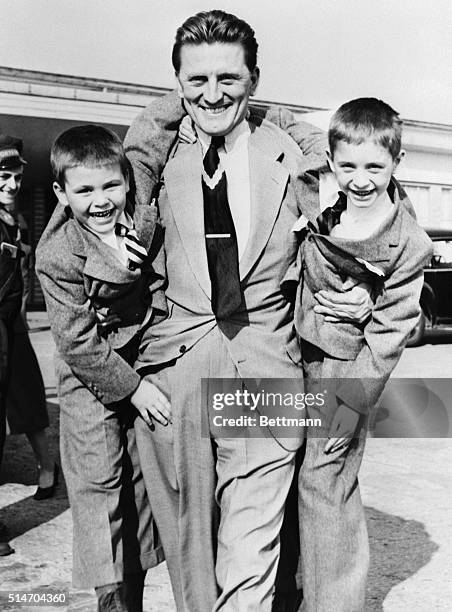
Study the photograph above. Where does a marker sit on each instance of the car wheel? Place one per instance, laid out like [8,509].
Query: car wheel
[417,335]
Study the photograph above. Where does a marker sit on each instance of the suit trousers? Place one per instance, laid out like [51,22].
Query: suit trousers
[334,549]
[218,503]
[113,529]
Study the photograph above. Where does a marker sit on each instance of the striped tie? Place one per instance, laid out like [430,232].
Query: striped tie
[135,250]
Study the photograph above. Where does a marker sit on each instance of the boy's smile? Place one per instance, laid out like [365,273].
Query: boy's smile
[363,171]
[96,195]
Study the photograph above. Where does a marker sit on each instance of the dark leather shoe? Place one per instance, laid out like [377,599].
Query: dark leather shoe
[46,492]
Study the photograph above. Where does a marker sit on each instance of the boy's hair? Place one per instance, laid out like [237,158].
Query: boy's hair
[86,145]
[216,27]
[364,118]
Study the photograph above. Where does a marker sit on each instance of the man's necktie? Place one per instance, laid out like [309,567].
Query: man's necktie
[221,239]
[135,250]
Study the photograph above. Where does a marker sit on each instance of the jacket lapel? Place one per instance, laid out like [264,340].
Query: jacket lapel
[100,260]
[183,184]
[268,180]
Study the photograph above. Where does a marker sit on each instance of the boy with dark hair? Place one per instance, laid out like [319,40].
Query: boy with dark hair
[370,234]
[101,292]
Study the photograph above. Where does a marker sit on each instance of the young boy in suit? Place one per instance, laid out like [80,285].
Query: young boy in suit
[371,235]
[101,292]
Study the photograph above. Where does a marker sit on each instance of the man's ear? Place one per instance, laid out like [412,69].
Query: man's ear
[255,75]
[329,158]
[60,194]
[178,85]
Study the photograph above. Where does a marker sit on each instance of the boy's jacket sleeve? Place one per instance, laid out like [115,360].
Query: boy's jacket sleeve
[74,328]
[394,316]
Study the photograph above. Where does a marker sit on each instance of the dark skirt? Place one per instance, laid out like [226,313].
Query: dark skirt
[26,409]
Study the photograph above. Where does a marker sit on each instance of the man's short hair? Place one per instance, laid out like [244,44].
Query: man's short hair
[86,145]
[216,27]
[363,119]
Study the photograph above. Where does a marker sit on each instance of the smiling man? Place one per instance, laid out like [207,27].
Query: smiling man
[227,206]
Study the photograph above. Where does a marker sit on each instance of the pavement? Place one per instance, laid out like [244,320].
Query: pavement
[406,485]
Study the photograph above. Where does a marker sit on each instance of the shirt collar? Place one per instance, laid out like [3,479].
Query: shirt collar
[110,238]
[240,133]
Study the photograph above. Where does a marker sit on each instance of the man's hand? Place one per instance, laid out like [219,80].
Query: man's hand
[186,132]
[343,427]
[151,403]
[354,303]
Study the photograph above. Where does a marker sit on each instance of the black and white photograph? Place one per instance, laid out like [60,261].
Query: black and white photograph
[225,306]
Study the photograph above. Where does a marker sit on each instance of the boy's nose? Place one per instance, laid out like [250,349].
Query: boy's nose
[361,179]
[100,199]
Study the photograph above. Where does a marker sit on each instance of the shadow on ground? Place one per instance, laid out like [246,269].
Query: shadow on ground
[19,466]
[398,549]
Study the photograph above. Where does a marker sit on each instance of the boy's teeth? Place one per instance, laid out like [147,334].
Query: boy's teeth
[104,213]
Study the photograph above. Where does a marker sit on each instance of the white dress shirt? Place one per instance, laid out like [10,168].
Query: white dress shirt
[234,160]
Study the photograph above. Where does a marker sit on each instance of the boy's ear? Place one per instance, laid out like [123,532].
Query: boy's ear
[60,194]
[329,158]
[399,158]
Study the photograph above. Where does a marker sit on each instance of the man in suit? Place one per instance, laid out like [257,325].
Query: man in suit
[228,318]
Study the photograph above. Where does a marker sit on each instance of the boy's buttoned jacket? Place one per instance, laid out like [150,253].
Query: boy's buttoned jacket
[81,275]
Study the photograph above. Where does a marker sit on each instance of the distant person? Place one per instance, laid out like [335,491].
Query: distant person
[11,164]
[101,291]
[370,234]
[26,408]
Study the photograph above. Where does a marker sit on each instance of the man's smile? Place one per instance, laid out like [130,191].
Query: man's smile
[215,110]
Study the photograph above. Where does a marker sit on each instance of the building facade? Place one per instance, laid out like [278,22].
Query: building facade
[37,106]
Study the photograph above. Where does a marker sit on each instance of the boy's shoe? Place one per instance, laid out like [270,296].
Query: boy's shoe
[110,598]
[5,548]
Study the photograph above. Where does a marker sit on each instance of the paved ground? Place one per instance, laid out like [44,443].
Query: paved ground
[406,486]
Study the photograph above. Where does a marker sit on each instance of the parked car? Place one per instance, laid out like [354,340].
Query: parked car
[436,297]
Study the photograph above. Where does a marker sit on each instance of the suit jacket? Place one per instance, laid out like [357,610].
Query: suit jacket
[80,275]
[265,320]
[153,133]
[399,250]
[260,335]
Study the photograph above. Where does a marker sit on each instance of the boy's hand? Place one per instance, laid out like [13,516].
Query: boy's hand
[343,427]
[186,132]
[151,403]
[353,304]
